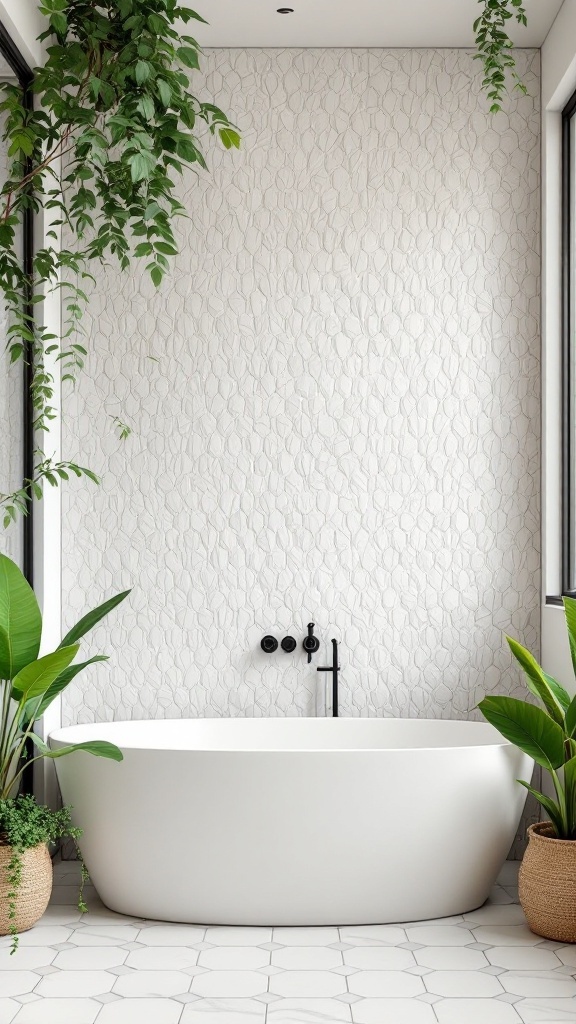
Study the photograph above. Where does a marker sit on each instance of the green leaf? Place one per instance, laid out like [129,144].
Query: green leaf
[20,620]
[59,23]
[570,615]
[164,91]
[4,644]
[139,167]
[562,695]
[146,107]
[570,792]
[188,56]
[142,71]
[549,805]
[100,748]
[229,138]
[35,678]
[527,727]
[537,681]
[189,13]
[169,250]
[88,621]
[59,684]
[570,720]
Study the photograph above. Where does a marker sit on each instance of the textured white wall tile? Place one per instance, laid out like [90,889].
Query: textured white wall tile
[343,422]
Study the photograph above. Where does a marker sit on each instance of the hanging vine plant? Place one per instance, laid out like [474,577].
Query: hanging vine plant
[495,47]
[112,129]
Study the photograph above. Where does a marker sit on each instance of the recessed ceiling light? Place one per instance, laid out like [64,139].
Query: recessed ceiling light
[285,10]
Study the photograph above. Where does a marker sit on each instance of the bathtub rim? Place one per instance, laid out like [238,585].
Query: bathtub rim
[63,736]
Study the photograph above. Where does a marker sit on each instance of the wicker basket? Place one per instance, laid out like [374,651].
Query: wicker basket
[34,891]
[547,884]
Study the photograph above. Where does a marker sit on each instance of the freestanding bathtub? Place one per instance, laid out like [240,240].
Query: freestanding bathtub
[296,821]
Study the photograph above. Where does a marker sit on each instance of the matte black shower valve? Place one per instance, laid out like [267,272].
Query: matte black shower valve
[310,643]
[288,644]
[269,644]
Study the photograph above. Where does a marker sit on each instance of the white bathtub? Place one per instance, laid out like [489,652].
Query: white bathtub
[297,821]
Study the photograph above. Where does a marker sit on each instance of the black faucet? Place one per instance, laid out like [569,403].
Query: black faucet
[334,668]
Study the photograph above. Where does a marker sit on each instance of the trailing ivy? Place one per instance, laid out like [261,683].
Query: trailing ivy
[114,125]
[495,47]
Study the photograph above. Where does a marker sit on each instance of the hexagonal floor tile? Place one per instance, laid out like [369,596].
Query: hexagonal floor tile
[302,1011]
[385,983]
[90,958]
[307,958]
[150,984]
[451,958]
[523,958]
[27,958]
[224,1011]
[323,984]
[379,958]
[136,1011]
[475,1011]
[229,983]
[17,983]
[67,984]
[466,984]
[392,1011]
[540,984]
[233,958]
[162,958]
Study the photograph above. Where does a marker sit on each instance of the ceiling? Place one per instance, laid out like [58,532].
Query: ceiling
[372,23]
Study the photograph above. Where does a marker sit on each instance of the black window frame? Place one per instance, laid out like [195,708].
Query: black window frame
[25,77]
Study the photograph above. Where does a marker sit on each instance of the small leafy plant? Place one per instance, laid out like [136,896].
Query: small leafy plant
[547,733]
[28,685]
[25,824]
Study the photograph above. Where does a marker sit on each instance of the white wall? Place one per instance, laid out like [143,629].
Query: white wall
[343,422]
[23,21]
[558,84]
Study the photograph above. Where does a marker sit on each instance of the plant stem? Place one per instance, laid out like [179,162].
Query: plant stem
[561,795]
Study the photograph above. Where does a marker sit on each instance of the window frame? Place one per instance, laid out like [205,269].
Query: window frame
[25,77]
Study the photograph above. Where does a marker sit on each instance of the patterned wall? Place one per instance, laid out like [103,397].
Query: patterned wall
[342,423]
[10,396]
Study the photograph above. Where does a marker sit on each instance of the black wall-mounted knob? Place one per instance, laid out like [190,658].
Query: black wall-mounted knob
[269,644]
[288,644]
[310,643]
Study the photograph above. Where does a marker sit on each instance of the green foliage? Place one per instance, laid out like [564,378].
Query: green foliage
[495,47]
[20,620]
[26,693]
[114,125]
[546,734]
[45,470]
[25,824]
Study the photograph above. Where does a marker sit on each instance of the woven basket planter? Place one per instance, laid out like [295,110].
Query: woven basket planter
[547,884]
[34,891]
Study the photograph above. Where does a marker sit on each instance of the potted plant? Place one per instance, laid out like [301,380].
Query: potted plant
[28,685]
[547,882]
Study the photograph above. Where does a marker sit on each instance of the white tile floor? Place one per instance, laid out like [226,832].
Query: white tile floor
[483,968]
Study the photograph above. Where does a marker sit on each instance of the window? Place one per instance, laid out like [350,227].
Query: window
[569,347]
[11,58]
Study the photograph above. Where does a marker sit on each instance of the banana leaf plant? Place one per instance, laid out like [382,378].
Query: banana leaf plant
[546,733]
[29,684]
